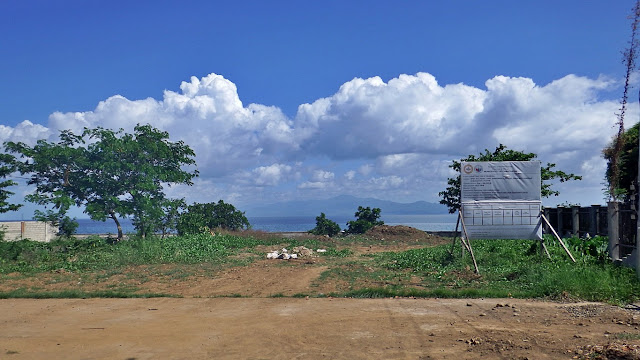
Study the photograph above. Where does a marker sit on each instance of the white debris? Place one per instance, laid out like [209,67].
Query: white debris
[321,250]
[302,251]
[284,253]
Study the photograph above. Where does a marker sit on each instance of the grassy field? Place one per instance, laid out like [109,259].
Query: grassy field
[428,267]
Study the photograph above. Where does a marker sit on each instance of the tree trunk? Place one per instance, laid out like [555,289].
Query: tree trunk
[115,219]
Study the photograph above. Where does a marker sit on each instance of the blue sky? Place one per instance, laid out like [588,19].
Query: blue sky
[291,100]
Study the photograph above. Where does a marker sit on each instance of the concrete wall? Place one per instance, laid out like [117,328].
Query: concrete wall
[34,230]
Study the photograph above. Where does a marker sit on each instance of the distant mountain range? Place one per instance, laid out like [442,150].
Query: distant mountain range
[344,205]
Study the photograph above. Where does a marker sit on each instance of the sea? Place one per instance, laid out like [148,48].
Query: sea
[440,222]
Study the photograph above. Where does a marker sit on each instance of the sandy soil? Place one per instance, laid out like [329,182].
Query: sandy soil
[286,328]
[208,322]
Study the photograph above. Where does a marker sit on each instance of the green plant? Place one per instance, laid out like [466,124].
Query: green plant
[7,166]
[622,154]
[201,218]
[325,226]
[622,172]
[76,294]
[172,209]
[508,267]
[66,226]
[451,195]
[627,336]
[366,219]
[110,172]
[332,252]
[596,247]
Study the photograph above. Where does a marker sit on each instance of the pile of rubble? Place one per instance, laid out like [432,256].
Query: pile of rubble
[296,252]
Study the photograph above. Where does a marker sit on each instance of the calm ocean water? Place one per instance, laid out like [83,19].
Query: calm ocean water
[444,222]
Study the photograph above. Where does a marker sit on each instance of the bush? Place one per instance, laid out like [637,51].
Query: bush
[325,226]
[596,247]
[366,219]
[201,218]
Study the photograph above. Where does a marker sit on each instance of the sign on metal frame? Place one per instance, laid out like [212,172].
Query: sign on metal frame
[501,199]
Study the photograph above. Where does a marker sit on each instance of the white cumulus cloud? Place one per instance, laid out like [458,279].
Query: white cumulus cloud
[388,139]
[271,175]
[208,115]
[321,175]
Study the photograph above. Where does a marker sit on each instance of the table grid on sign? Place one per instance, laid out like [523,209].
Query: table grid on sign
[516,214]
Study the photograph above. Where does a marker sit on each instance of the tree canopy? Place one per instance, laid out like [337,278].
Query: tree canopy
[171,211]
[627,164]
[108,172]
[325,226]
[201,218]
[451,195]
[366,218]
[7,166]
[66,225]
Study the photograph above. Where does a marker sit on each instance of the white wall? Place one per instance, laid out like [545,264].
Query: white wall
[34,230]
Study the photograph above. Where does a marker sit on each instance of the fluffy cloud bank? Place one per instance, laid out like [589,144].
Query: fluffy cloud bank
[372,138]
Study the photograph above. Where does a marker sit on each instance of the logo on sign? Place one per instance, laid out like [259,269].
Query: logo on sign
[478,168]
[468,169]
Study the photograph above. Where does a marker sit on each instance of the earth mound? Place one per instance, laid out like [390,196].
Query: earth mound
[401,233]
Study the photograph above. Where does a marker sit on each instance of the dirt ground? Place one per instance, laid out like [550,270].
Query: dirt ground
[236,312]
[325,328]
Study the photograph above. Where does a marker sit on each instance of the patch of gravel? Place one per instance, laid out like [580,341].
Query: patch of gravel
[583,311]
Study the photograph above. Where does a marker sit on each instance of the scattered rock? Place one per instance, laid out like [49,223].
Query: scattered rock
[298,251]
[618,351]
[474,341]
[302,251]
[585,310]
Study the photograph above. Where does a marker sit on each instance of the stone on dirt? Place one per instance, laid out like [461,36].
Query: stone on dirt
[285,255]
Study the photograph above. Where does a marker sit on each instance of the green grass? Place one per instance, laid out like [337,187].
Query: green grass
[508,268]
[342,253]
[515,268]
[627,336]
[95,253]
[75,294]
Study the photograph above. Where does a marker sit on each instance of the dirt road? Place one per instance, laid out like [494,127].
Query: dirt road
[316,328]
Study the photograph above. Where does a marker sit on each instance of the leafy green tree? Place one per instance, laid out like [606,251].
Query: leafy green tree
[171,211]
[200,218]
[66,225]
[7,166]
[627,164]
[451,195]
[366,218]
[108,172]
[325,226]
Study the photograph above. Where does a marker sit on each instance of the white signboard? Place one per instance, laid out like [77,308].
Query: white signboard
[500,180]
[501,200]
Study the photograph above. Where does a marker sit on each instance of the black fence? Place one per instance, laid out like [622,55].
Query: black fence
[627,228]
[578,221]
[596,220]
